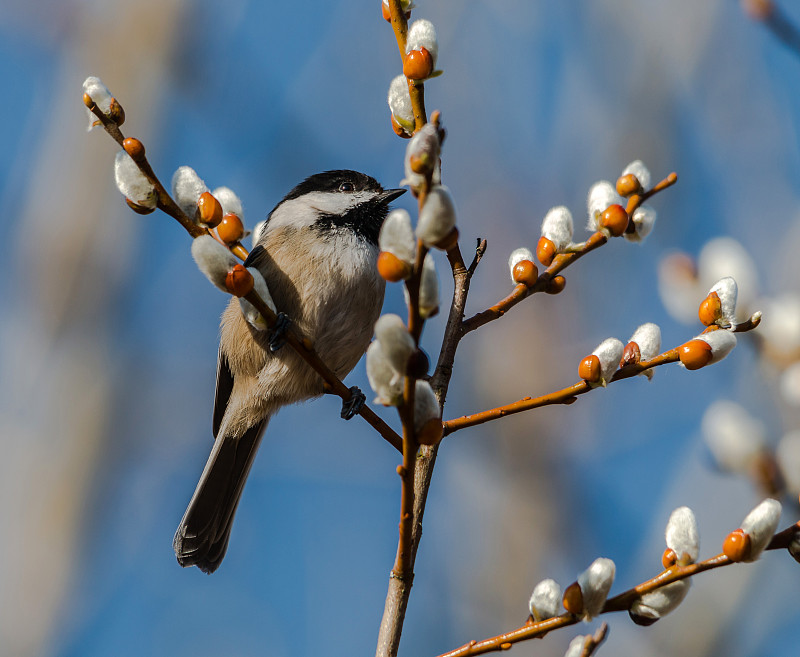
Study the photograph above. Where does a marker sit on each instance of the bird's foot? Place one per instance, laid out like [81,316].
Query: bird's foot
[277,335]
[353,406]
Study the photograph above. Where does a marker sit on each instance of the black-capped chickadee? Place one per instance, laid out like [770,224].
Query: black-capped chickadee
[317,253]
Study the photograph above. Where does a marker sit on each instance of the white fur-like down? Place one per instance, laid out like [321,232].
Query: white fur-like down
[397,236]
[437,217]
[229,201]
[761,524]
[400,102]
[595,583]
[396,342]
[517,256]
[721,342]
[727,291]
[422,34]
[213,259]
[557,227]
[132,182]
[187,187]
[682,535]
[642,173]
[545,600]
[609,352]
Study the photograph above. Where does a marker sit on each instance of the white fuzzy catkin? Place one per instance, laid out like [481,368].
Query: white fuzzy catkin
[648,337]
[187,187]
[517,256]
[642,173]
[781,324]
[422,34]
[99,93]
[575,648]
[609,352]
[253,317]
[428,289]
[727,291]
[557,227]
[724,256]
[132,182]
[397,236]
[437,218]
[545,600]
[734,437]
[682,535]
[230,202]
[213,259]
[595,583]
[395,340]
[760,524]
[400,103]
[424,146]
[721,342]
[426,406]
[662,601]
[644,218]
[601,195]
[383,378]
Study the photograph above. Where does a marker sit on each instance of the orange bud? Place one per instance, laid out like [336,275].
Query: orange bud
[134,148]
[631,354]
[614,219]
[525,272]
[116,112]
[239,281]
[385,12]
[737,545]
[230,229]
[545,251]
[138,209]
[431,432]
[590,369]
[695,354]
[418,64]
[399,130]
[210,212]
[87,100]
[573,599]
[628,184]
[556,285]
[710,309]
[391,268]
[669,558]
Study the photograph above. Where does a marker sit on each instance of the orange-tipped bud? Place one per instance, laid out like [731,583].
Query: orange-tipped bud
[239,281]
[134,148]
[710,309]
[573,599]
[525,272]
[556,285]
[418,64]
[385,12]
[669,558]
[210,212]
[116,112]
[431,432]
[628,184]
[87,100]
[590,369]
[631,354]
[398,129]
[695,354]
[737,545]
[391,268]
[545,251]
[139,209]
[614,219]
[230,229]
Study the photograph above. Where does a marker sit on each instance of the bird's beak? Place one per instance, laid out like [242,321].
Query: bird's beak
[389,195]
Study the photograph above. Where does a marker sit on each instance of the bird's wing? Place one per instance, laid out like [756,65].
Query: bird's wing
[223,391]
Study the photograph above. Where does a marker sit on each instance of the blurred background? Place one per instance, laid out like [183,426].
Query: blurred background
[109,332]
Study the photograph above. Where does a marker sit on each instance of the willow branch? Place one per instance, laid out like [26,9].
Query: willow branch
[299,343]
[621,602]
[416,89]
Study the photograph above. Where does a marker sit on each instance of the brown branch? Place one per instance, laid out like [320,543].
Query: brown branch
[592,642]
[299,343]
[564,396]
[621,602]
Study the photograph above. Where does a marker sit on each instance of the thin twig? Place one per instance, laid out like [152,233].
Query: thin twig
[416,89]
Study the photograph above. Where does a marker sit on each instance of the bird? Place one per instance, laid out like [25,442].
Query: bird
[317,253]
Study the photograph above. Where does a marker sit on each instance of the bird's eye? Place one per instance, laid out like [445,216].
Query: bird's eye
[347,187]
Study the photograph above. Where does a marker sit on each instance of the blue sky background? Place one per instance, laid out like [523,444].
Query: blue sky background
[109,332]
